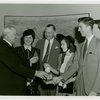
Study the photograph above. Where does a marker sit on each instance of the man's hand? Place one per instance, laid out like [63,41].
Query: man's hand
[41,74]
[57,80]
[46,65]
[93,93]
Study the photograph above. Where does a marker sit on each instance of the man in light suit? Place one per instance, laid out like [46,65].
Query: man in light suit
[51,63]
[13,73]
[88,78]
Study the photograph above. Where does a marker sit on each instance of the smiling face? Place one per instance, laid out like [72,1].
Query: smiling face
[49,33]
[28,40]
[64,45]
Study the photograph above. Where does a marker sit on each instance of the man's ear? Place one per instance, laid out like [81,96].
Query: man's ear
[55,34]
[88,27]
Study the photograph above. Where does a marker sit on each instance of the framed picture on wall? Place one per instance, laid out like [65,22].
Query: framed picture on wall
[65,24]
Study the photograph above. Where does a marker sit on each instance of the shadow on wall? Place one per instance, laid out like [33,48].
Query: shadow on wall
[78,36]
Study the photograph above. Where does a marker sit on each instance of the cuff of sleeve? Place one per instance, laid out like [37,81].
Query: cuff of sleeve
[63,80]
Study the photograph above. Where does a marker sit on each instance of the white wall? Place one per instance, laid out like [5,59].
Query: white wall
[47,9]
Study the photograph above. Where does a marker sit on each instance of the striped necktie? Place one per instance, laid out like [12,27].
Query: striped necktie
[46,57]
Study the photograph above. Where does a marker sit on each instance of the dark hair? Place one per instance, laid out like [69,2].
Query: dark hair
[51,25]
[70,43]
[26,33]
[59,37]
[87,20]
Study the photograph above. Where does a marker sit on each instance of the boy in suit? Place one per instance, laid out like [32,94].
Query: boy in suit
[88,78]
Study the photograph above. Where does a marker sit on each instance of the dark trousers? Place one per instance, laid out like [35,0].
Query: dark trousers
[47,90]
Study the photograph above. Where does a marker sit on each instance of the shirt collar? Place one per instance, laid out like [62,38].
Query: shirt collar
[89,39]
[51,40]
[8,42]
[27,47]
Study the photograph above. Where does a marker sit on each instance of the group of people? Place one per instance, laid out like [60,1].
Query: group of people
[51,67]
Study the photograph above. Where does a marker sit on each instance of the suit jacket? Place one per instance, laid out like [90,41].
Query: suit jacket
[12,72]
[71,67]
[54,53]
[89,69]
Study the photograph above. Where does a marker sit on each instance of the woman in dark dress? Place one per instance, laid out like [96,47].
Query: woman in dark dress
[30,57]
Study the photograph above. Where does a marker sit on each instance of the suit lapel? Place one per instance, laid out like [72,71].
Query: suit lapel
[42,48]
[53,46]
[24,52]
[91,48]
[81,52]
[69,62]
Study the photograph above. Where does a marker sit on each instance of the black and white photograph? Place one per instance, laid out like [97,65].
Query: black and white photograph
[49,49]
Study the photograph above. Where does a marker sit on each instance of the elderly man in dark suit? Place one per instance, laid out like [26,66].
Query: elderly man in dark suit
[13,73]
[88,78]
[49,51]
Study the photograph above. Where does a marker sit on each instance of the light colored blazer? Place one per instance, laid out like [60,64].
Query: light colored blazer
[90,67]
[71,67]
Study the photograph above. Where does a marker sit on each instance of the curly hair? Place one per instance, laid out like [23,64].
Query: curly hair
[26,33]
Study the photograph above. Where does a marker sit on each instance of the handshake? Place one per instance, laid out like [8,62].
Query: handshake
[45,75]
[41,74]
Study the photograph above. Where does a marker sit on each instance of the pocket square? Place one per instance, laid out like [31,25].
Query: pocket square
[56,47]
[90,52]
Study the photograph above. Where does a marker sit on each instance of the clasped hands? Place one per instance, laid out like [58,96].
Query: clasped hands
[43,74]
[56,80]
[47,67]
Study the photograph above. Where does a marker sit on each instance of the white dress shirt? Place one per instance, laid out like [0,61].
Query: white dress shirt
[89,40]
[45,46]
[27,47]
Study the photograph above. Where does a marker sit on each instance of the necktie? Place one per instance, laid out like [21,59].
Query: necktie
[47,53]
[85,48]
